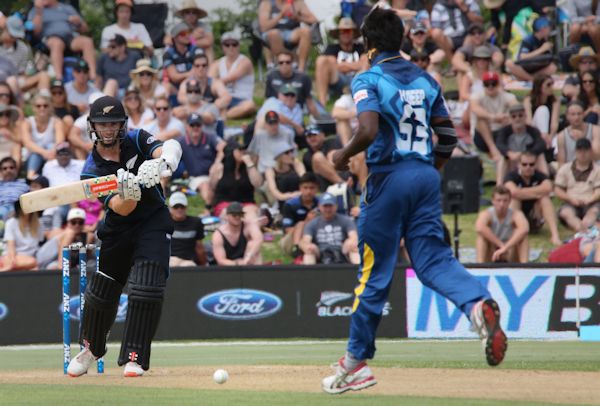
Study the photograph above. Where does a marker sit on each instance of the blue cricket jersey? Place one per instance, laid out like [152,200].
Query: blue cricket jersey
[406,98]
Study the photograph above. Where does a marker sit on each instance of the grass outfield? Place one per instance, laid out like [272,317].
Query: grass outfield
[34,375]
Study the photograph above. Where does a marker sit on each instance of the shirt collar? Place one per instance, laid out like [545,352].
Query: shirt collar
[384,55]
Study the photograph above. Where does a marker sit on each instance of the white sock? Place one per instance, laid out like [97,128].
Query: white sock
[350,362]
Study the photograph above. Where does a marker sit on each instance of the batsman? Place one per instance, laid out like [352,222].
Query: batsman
[135,235]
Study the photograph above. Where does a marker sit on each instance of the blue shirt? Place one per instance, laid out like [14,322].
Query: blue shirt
[406,99]
[198,158]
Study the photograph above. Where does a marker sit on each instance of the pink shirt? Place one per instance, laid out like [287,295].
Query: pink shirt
[92,208]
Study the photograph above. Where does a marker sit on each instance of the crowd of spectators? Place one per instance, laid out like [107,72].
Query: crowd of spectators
[525,99]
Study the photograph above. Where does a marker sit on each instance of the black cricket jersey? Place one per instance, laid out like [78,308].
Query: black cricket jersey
[136,147]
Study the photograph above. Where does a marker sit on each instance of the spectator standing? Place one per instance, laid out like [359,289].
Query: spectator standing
[64,110]
[530,192]
[177,60]
[10,187]
[212,90]
[237,242]
[195,104]
[41,133]
[577,184]
[135,34]
[138,114]
[450,20]
[199,152]
[22,235]
[502,231]
[330,238]
[338,64]
[280,26]
[584,21]
[165,126]
[59,26]
[80,88]
[577,129]
[271,138]
[543,108]
[10,133]
[236,71]
[144,78]
[114,66]
[187,248]
[201,32]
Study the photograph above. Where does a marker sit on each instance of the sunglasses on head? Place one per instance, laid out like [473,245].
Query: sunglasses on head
[290,94]
[76,222]
[586,61]
[230,44]
[284,62]
[490,83]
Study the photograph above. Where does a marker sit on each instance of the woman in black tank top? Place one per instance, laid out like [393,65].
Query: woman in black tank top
[283,180]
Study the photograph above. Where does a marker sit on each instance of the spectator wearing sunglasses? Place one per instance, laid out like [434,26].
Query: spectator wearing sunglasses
[22,236]
[236,71]
[80,88]
[144,78]
[586,60]
[114,66]
[10,132]
[212,90]
[490,111]
[287,107]
[201,32]
[418,39]
[462,59]
[165,126]
[10,186]
[196,104]
[530,192]
[187,248]
[64,110]
[340,61]
[566,140]
[422,60]
[177,60]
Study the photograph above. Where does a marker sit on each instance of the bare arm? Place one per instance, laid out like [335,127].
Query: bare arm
[560,147]
[59,131]
[37,18]
[546,46]
[215,174]
[521,229]
[529,193]
[219,250]
[272,186]
[175,76]
[76,141]
[265,22]
[200,253]
[242,69]
[482,227]
[223,97]
[562,194]
[28,141]
[122,207]
[596,141]
[304,14]
[368,125]
[459,62]
[181,93]
[307,246]
[312,106]
[479,111]
[464,88]
[528,112]
[255,238]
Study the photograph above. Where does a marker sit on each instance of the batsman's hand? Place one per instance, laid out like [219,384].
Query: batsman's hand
[149,172]
[128,187]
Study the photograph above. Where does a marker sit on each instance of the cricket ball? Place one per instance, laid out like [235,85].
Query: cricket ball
[220,376]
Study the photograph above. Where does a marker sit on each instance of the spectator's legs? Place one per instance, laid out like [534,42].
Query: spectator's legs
[40,79]
[309,259]
[594,33]
[301,36]
[351,252]
[111,88]
[325,74]
[542,165]
[570,217]
[590,218]
[522,251]
[343,128]
[518,71]
[206,192]
[67,123]
[501,166]
[57,54]
[243,109]
[275,41]
[443,42]
[575,33]
[322,166]
[176,261]
[483,249]
[548,70]
[544,205]
[85,45]
[483,127]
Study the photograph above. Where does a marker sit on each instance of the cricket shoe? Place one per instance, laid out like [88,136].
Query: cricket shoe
[359,378]
[485,319]
[81,363]
[133,370]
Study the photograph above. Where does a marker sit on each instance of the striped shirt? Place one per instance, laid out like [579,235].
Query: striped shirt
[10,190]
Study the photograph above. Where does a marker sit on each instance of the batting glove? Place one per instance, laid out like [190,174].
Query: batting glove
[128,187]
[149,172]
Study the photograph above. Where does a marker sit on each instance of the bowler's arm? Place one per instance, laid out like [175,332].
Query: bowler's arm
[368,125]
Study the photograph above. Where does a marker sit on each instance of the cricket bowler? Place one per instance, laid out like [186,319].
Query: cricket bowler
[398,106]
[135,235]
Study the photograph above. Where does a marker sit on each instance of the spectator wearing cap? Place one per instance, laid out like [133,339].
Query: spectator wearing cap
[287,107]
[165,126]
[177,60]
[516,138]
[268,139]
[236,71]
[11,187]
[490,111]
[234,178]
[187,248]
[64,110]
[422,60]
[576,130]
[530,192]
[284,73]
[577,184]
[136,35]
[64,168]
[283,178]
[80,88]
[114,66]
[462,59]
[238,241]
[41,133]
[201,31]
[14,48]
[144,78]
[199,152]
[10,132]
[195,104]
[340,61]
[586,60]
[318,157]
[330,238]
[80,140]
[583,21]
[418,39]
[137,112]
[280,21]
[212,90]
[59,26]
[535,53]
[22,236]
[449,22]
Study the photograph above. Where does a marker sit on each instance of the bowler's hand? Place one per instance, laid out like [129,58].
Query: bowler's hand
[340,161]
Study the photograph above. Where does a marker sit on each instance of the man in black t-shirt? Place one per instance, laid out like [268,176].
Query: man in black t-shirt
[285,74]
[317,157]
[298,211]
[114,67]
[186,242]
[340,61]
[530,191]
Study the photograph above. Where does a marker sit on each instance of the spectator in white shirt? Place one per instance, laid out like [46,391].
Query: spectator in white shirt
[64,169]
[136,34]
[164,126]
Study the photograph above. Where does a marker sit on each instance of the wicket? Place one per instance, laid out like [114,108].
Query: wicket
[82,251]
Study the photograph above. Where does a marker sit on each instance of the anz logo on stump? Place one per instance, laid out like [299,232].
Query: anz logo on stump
[239,304]
[74,306]
[3,311]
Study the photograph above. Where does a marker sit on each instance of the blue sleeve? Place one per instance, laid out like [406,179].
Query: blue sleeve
[167,58]
[438,108]
[364,93]
[146,143]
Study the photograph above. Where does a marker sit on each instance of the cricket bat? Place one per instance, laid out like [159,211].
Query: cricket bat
[68,193]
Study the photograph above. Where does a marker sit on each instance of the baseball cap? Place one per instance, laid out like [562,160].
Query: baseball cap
[271,117]
[192,84]
[515,108]
[475,26]
[230,36]
[482,52]
[288,88]
[63,147]
[281,149]
[312,130]
[418,27]
[178,198]
[490,75]
[539,23]
[327,198]
[118,39]
[40,180]
[198,52]
[15,27]
[583,143]
[81,66]
[76,213]
[57,83]
[179,28]
[194,119]
[235,208]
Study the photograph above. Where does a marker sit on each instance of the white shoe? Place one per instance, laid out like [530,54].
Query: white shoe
[81,363]
[359,378]
[133,370]
[485,319]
